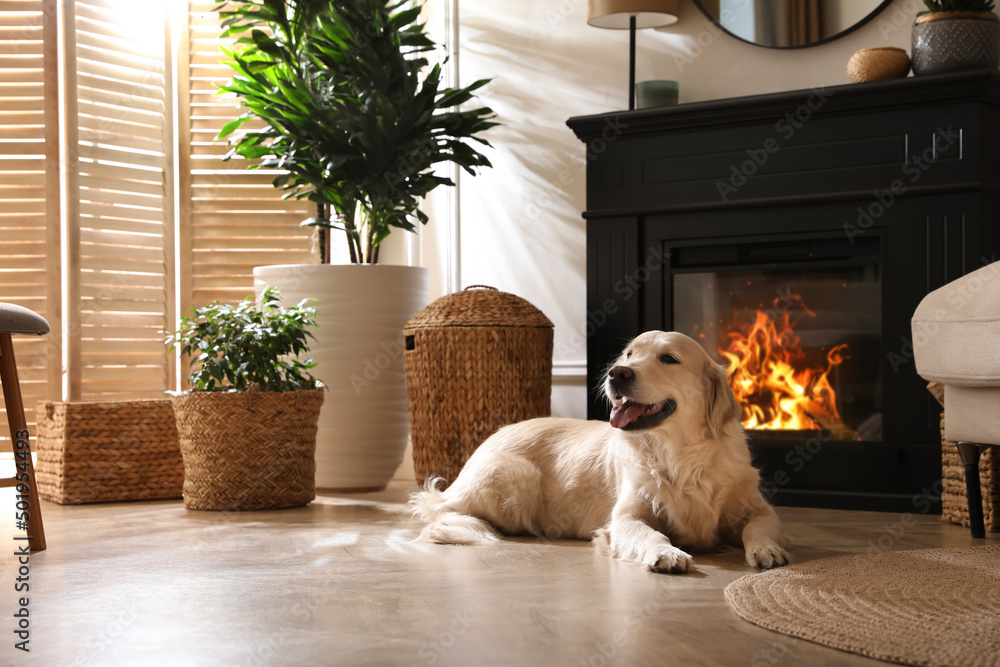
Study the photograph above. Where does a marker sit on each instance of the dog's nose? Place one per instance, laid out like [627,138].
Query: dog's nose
[620,373]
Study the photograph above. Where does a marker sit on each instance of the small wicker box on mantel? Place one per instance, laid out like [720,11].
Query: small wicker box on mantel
[108,451]
[475,360]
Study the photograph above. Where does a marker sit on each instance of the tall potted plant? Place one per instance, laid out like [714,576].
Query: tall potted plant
[357,120]
[955,35]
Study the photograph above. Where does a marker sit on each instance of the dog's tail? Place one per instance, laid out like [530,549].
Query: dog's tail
[444,525]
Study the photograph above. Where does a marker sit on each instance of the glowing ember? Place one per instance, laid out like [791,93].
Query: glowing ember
[774,381]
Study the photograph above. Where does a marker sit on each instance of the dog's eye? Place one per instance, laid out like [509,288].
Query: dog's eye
[669,359]
[628,355]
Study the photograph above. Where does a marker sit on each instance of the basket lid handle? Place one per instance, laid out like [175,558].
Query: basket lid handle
[480,287]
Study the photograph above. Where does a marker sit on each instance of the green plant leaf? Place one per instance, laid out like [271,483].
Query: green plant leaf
[232,126]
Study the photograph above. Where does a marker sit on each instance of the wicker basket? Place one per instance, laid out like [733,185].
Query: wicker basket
[954,498]
[475,361]
[108,451]
[250,450]
[876,64]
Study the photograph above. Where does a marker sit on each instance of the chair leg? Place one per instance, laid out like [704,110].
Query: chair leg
[19,436]
[970,453]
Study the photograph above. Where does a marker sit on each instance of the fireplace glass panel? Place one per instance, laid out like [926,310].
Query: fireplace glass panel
[803,345]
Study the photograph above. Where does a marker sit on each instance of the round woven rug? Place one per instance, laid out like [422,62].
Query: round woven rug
[927,607]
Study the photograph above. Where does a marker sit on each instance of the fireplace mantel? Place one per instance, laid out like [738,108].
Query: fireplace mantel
[830,143]
[912,163]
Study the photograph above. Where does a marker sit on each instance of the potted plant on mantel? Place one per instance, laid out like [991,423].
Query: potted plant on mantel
[357,120]
[955,35]
[247,427]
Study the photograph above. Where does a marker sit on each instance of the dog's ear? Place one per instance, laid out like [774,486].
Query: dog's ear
[720,403]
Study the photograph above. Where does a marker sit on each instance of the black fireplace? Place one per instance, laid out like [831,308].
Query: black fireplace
[793,235]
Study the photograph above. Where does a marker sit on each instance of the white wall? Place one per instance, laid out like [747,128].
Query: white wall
[520,224]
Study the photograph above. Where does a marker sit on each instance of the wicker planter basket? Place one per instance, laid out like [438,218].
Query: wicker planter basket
[475,361]
[108,451]
[954,500]
[250,450]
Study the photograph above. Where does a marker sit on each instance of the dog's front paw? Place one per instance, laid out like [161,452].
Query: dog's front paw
[670,560]
[766,555]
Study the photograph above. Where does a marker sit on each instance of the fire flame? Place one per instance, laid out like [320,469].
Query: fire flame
[767,375]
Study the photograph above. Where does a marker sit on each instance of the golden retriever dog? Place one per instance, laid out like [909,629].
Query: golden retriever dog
[671,471]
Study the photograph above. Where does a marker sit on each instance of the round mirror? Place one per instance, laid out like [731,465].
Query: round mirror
[790,24]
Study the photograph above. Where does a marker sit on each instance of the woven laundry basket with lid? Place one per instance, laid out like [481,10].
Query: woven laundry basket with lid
[475,361]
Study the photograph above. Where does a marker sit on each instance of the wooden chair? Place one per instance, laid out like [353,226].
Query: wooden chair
[18,320]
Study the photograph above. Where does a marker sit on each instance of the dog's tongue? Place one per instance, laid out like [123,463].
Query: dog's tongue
[626,413]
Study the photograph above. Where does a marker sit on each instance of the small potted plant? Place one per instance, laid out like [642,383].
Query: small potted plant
[247,427]
[955,35]
[341,99]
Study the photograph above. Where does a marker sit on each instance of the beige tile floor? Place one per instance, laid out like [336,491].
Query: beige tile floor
[340,583]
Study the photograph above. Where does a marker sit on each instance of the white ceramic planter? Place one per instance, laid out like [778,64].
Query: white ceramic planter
[361,310]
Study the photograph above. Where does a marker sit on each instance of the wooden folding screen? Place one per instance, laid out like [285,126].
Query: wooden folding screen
[116,211]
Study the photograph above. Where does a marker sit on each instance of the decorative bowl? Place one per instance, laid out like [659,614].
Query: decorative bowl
[876,64]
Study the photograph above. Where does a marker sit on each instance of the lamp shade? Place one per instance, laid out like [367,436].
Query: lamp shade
[616,13]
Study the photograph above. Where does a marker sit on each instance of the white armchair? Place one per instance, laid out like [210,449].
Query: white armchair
[956,342]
